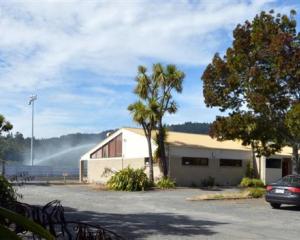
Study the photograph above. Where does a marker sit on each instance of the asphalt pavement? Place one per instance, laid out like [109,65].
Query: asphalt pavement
[168,215]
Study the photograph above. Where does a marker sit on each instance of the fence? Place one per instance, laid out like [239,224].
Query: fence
[40,171]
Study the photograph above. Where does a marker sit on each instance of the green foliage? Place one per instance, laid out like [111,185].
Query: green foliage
[256,82]
[129,179]
[7,193]
[251,182]
[14,147]
[25,223]
[155,100]
[157,153]
[208,182]
[249,171]
[190,127]
[292,121]
[165,183]
[5,125]
[256,192]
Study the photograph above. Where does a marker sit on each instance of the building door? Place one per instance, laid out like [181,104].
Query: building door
[286,167]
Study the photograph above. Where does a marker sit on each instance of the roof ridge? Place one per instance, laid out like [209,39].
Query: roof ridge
[203,134]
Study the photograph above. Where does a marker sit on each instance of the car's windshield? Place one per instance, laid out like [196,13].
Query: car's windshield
[289,180]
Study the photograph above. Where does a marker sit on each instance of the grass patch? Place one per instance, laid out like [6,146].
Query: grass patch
[244,194]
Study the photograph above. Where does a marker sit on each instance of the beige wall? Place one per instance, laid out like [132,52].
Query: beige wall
[96,167]
[188,175]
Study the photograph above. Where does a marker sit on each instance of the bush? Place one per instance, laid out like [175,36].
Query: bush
[208,182]
[7,193]
[165,183]
[251,182]
[257,183]
[129,179]
[256,192]
[246,182]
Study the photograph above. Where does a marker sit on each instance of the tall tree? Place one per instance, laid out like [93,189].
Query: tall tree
[144,111]
[169,79]
[5,126]
[293,123]
[159,87]
[257,82]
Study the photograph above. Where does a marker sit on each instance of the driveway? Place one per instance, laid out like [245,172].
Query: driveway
[167,215]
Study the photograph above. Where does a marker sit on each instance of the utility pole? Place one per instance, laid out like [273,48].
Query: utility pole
[31,102]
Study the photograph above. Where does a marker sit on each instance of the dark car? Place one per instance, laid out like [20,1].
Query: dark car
[284,191]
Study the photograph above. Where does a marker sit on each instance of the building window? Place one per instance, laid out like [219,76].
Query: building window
[230,163]
[111,149]
[193,161]
[273,163]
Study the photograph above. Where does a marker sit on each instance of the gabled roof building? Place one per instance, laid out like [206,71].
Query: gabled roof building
[192,158]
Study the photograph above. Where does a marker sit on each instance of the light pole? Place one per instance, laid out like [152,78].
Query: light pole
[31,102]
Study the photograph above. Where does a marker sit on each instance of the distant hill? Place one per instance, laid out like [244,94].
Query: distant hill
[190,127]
[66,149]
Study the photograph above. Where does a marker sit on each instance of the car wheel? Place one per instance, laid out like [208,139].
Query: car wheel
[275,205]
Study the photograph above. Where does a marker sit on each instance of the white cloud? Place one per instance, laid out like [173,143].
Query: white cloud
[43,39]
[42,42]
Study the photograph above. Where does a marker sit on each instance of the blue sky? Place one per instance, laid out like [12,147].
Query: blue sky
[80,57]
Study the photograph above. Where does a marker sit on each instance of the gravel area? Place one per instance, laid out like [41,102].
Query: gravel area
[168,215]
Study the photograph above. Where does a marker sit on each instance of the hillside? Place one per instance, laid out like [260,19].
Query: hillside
[190,127]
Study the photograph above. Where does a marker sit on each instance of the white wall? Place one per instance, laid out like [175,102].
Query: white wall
[135,145]
[134,151]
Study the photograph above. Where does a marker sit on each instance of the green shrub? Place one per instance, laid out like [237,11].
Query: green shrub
[257,192]
[246,182]
[129,179]
[165,183]
[251,182]
[7,193]
[257,183]
[208,182]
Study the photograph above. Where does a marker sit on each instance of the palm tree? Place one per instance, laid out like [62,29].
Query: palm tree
[145,115]
[167,80]
[155,93]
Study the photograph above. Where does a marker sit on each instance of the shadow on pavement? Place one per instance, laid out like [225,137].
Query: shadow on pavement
[289,208]
[141,225]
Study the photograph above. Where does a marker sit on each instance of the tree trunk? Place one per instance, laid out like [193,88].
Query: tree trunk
[3,167]
[254,164]
[162,152]
[295,158]
[151,177]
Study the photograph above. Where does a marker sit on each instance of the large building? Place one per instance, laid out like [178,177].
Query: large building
[191,158]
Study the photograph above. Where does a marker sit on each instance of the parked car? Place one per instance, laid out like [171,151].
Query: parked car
[284,191]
